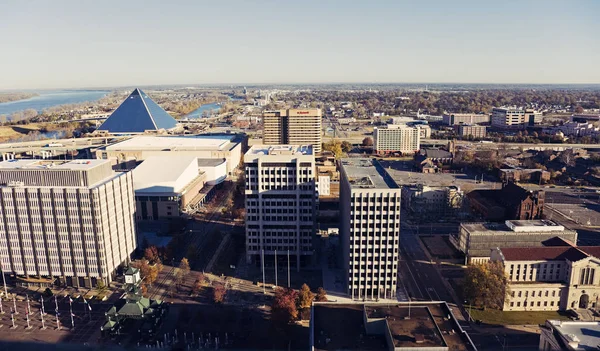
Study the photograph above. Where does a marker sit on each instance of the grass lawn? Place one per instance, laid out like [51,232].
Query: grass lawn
[498,317]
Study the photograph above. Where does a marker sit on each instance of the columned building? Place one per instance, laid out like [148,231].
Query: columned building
[550,278]
[280,203]
[369,228]
[71,221]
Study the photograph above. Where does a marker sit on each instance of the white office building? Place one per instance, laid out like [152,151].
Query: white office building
[369,228]
[515,117]
[397,139]
[71,221]
[280,203]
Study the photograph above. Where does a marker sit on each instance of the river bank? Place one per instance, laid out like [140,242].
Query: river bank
[49,99]
[13,97]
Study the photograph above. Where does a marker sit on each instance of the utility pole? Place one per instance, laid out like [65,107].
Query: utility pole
[276,268]
[3,279]
[288,268]
[263,269]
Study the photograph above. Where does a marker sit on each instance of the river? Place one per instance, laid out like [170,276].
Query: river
[200,111]
[47,99]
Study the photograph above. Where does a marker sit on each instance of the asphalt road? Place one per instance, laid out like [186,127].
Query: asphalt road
[420,275]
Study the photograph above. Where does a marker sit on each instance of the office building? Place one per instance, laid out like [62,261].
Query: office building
[428,200]
[452,119]
[369,228]
[464,130]
[560,276]
[294,127]
[515,118]
[569,336]
[71,221]
[394,138]
[280,202]
[424,131]
[476,240]
[126,154]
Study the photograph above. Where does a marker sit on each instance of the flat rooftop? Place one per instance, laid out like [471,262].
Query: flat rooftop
[342,327]
[585,334]
[280,150]
[516,226]
[51,164]
[165,174]
[173,143]
[367,173]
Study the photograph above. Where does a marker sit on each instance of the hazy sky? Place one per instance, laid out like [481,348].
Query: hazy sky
[62,44]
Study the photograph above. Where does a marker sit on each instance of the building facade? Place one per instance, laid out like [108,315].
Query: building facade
[476,240]
[475,131]
[71,221]
[432,200]
[465,118]
[397,139]
[293,127]
[510,202]
[551,278]
[369,228]
[126,154]
[280,202]
[515,118]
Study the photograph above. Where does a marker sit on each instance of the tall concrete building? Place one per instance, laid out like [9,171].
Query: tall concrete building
[397,138]
[280,202]
[369,229]
[514,117]
[67,220]
[294,127]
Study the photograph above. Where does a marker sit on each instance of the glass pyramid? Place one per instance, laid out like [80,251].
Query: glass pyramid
[137,114]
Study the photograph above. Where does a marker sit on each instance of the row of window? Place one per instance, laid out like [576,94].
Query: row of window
[533,303]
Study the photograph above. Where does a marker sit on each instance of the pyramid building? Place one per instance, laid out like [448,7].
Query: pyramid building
[138,114]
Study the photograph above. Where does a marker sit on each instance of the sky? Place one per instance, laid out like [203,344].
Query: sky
[109,43]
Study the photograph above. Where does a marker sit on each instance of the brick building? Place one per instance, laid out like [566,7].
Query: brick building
[510,202]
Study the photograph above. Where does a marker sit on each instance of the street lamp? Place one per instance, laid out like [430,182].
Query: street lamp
[470,318]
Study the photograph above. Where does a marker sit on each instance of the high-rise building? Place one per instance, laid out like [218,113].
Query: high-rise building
[397,138]
[294,127]
[465,118]
[280,202]
[67,220]
[369,229]
[514,118]
[473,130]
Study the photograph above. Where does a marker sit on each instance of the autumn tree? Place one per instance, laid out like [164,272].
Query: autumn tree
[335,147]
[219,292]
[184,265]
[321,295]
[197,287]
[346,146]
[283,308]
[148,272]
[368,141]
[305,297]
[485,285]
[151,254]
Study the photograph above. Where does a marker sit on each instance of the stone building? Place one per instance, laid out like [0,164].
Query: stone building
[510,202]
[476,240]
[552,277]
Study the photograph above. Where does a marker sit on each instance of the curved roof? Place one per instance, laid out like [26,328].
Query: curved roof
[137,114]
